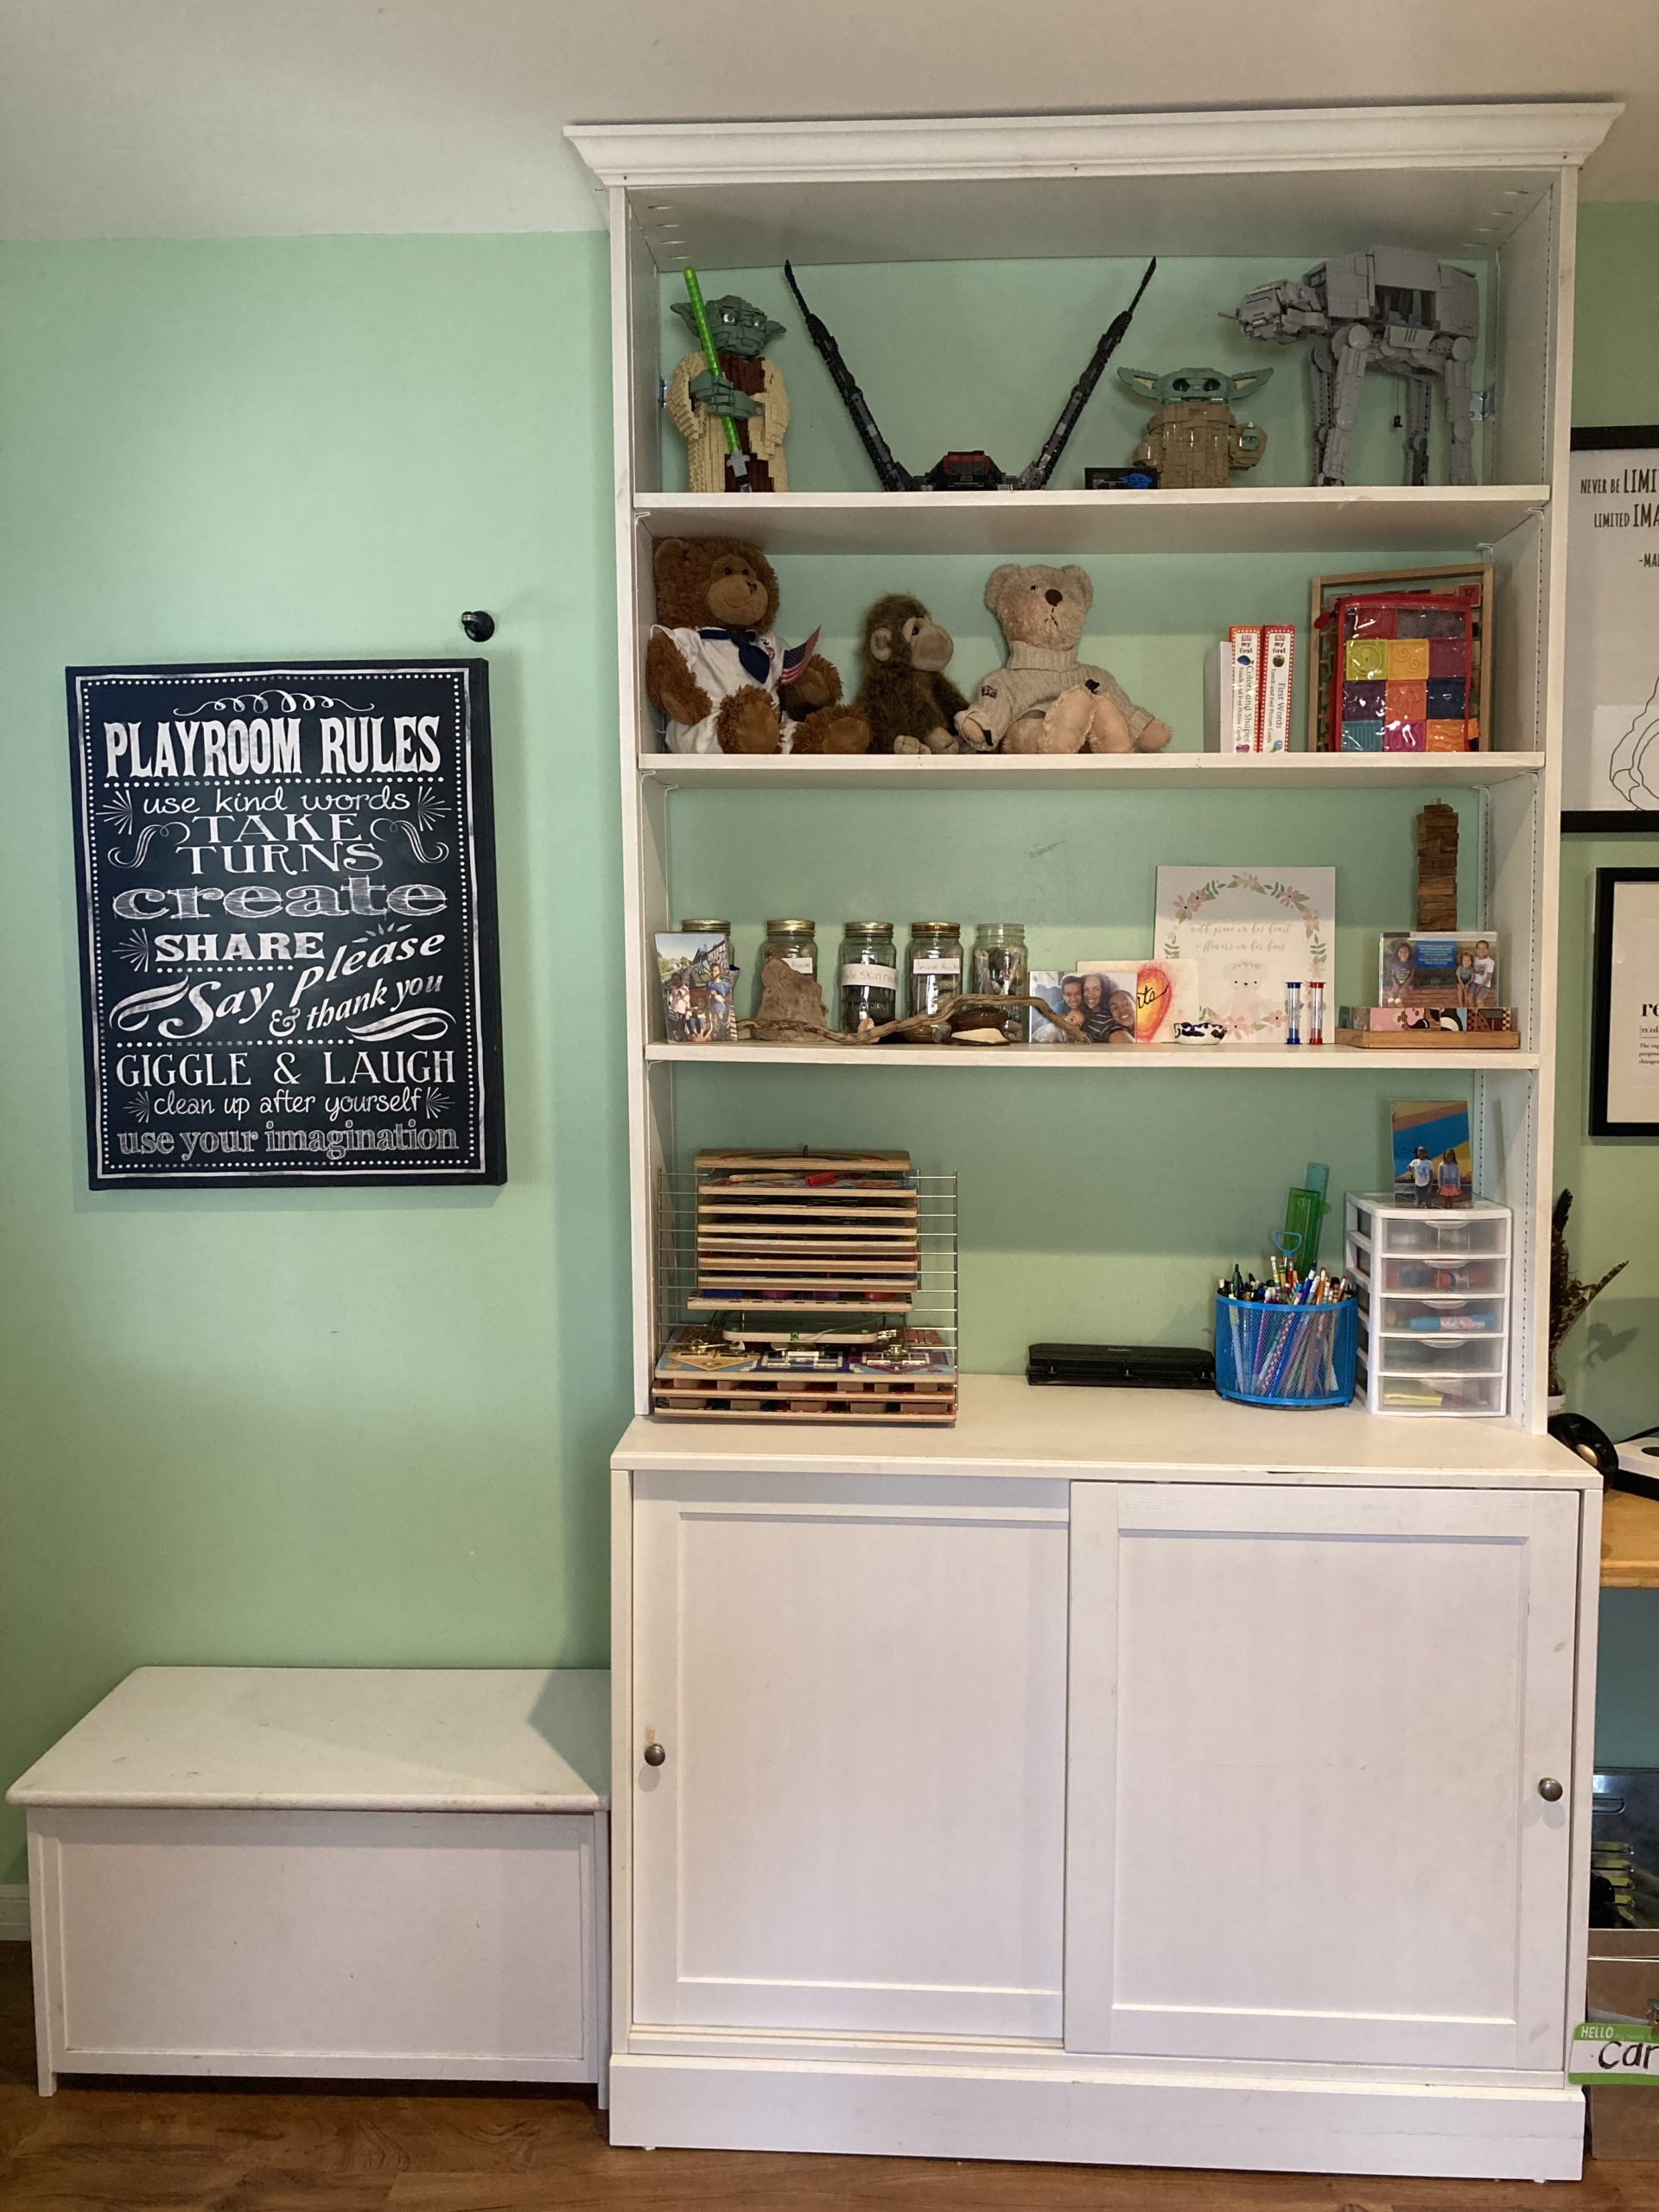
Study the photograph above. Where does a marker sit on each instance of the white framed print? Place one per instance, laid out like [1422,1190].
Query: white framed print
[1609,727]
[1624,1014]
[1250,932]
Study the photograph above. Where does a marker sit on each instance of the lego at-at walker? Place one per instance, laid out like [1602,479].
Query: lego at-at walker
[748,390]
[1389,309]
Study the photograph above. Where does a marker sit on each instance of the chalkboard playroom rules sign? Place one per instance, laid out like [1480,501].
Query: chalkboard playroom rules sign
[287,944]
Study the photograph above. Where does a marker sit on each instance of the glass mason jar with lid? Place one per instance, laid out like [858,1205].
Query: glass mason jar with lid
[932,966]
[868,975]
[1001,971]
[793,942]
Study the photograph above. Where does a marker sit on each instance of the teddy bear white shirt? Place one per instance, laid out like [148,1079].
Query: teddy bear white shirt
[723,661]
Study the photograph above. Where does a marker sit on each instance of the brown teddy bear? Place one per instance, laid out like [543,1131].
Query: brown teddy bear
[719,672]
[909,701]
[1044,699]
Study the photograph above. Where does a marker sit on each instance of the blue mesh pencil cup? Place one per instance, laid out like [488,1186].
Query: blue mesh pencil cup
[1274,1354]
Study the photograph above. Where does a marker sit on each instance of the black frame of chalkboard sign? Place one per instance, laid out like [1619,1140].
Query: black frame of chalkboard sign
[1605,822]
[475,736]
[1609,883]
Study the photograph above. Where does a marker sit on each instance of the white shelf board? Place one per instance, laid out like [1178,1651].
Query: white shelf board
[1079,1059]
[1005,1426]
[1291,518]
[1000,771]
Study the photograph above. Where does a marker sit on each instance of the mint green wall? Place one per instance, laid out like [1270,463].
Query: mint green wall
[1610,1367]
[350,1427]
[357,1426]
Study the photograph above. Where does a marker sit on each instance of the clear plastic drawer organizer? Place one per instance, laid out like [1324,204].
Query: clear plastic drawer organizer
[1433,1304]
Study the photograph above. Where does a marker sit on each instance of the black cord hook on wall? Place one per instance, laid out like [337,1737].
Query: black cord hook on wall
[479,626]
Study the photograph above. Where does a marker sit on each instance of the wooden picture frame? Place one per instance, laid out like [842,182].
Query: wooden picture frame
[1610,719]
[1324,591]
[1625,1024]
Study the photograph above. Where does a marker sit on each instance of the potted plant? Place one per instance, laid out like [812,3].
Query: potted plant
[1569,1298]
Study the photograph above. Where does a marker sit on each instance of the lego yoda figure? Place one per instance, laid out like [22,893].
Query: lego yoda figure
[1194,440]
[748,388]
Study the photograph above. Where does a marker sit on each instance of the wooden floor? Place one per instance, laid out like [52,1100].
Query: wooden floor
[160,2148]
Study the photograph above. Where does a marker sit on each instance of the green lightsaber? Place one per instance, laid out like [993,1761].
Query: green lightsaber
[706,338]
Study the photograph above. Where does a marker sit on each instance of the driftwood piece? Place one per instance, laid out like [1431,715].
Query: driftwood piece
[783,1018]
[791,1005]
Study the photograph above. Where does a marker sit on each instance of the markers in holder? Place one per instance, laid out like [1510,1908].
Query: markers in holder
[1290,1341]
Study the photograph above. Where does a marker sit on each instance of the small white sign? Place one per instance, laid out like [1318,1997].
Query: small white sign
[1248,932]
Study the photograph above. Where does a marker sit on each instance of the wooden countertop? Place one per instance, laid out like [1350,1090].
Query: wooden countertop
[1005,1427]
[1630,1542]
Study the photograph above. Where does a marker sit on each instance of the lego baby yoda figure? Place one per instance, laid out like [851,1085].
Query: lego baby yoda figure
[1193,441]
[748,388]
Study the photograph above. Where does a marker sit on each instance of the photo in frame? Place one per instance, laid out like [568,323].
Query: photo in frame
[1609,728]
[1624,1007]
[1110,989]
[1061,988]
[1433,1157]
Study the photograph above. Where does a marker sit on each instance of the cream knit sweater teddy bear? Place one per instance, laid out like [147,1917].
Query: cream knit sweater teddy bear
[1044,699]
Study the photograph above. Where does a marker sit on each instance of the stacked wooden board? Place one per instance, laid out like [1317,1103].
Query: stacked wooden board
[806,1232]
[778,1236]
[703,1375]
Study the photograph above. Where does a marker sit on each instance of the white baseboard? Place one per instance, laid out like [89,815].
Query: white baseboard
[1100,2112]
[14,1912]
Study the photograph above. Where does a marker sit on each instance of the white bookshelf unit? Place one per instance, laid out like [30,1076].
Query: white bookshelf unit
[801,1866]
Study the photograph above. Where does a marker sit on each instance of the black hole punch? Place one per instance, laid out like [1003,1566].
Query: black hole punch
[479,626]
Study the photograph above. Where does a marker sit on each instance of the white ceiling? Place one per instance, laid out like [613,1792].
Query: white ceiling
[227,118]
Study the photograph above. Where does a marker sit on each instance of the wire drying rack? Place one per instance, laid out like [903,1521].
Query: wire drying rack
[870,1339]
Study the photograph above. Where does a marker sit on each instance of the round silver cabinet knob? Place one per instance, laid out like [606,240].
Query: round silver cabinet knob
[656,1753]
[1549,1789]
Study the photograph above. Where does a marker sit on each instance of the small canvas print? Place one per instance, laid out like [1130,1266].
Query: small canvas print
[1433,1163]
[1164,994]
[699,987]
[1062,989]
[1116,1001]
[1110,989]
[1421,970]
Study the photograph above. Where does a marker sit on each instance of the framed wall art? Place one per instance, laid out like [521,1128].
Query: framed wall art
[1610,767]
[286,875]
[1624,1011]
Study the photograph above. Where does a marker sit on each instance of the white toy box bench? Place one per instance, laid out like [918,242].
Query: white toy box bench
[327,1871]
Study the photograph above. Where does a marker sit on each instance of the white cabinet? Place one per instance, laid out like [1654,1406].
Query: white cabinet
[857,1690]
[1063,1803]
[1308,1727]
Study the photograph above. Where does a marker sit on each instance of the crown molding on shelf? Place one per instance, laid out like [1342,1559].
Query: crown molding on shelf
[1498,135]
